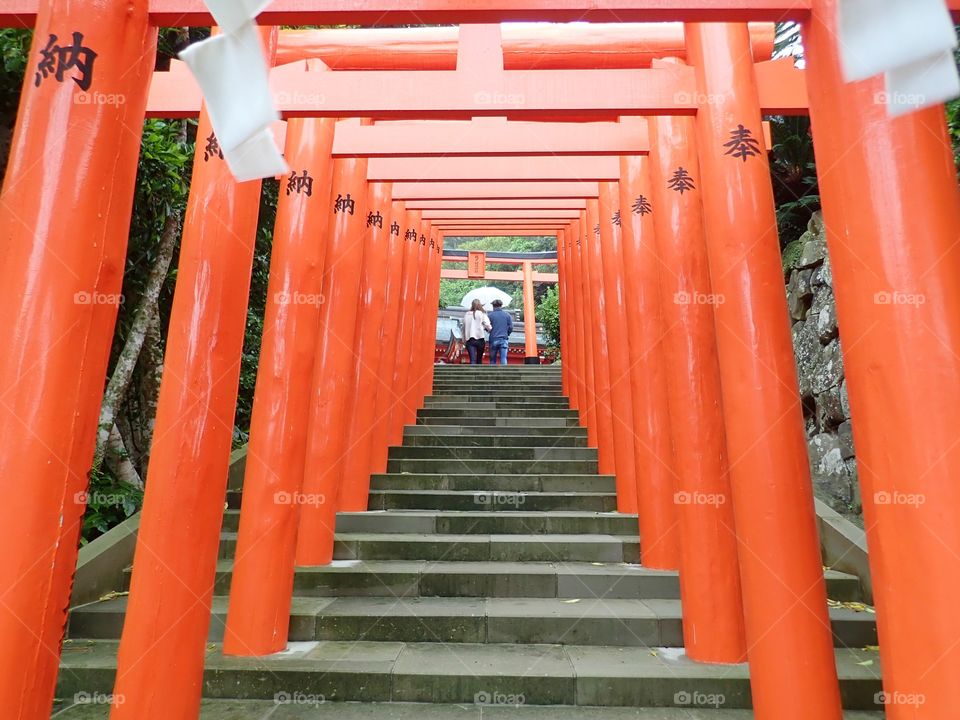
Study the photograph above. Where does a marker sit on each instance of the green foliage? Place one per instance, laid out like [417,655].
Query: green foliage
[794,173]
[259,280]
[548,313]
[109,503]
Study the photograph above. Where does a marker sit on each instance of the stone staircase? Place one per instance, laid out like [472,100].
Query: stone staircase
[491,577]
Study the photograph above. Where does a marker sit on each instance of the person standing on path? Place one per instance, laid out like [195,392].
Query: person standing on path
[502,326]
[474,324]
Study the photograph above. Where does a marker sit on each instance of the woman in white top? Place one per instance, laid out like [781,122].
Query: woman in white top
[474,324]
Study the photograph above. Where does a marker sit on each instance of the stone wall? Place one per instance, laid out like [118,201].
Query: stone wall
[823,388]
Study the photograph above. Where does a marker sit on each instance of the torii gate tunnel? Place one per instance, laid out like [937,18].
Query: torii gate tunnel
[650,169]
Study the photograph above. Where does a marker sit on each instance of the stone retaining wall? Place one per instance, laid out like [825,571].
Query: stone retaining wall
[823,388]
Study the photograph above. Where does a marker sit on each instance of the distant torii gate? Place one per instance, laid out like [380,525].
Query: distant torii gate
[892,213]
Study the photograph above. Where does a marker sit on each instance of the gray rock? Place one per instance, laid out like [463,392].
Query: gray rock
[806,348]
[845,400]
[814,251]
[816,225]
[822,297]
[799,293]
[828,368]
[829,410]
[827,323]
[826,271]
[845,436]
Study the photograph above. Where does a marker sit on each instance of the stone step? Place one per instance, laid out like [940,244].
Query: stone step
[469,672]
[469,412]
[520,389]
[477,520]
[442,451]
[530,430]
[493,501]
[486,522]
[567,421]
[304,707]
[457,403]
[495,441]
[483,482]
[521,393]
[419,578]
[491,465]
[523,621]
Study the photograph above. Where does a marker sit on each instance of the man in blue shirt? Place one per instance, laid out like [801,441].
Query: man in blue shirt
[502,326]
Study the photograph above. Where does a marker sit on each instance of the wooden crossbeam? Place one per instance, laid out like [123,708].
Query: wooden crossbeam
[483,169]
[493,190]
[181,13]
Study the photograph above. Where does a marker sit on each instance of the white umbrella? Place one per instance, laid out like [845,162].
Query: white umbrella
[486,295]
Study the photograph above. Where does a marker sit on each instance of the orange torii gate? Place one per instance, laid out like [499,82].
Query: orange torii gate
[65,237]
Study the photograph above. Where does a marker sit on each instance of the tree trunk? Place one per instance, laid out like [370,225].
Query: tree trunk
[117,459]
[143,317]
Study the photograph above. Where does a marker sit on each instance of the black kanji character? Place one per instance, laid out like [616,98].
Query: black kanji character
[742,144]
[642,206]
[681,181]
[344,204]
[57,60]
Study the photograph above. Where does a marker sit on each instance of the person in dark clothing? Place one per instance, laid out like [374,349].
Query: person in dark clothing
[501,326]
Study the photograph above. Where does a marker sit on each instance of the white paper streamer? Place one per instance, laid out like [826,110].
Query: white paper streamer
[233,77]
[235,81]
[922,84]
[257,158]
[910,41]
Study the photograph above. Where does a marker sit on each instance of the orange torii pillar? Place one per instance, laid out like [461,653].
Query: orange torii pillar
[406,299]
[651,413]
[621,358]
[160,660]
[332,388]
[64,222]
[588,412]
[566,341]
[428,315]
[709,567]
[784,592]
[598,346]
[532,356]
[578,372]
[417,322]
[431,313]
[355,486]
[386,396]
[892,215]
[260,593]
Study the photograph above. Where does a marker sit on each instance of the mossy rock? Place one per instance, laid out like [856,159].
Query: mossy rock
[791,254]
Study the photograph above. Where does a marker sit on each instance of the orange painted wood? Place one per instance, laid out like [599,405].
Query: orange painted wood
[367,350]
[491,136]
[529,312]
[333,387]
[64,224]
[500,232]
[526,46]
[781,570]
[505,204]
[389,339]
[441,12]
[493,190]
[486,169]
[258,618]
[440,215]
[895,257]
[651,413]
[500,275]
[712,602]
